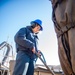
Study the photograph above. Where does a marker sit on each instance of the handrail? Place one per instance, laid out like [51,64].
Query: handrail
[9,47]
[44,62]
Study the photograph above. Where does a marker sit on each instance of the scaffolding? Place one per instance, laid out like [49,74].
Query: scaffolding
[4,70]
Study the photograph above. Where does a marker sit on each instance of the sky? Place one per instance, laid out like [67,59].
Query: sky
[15,14]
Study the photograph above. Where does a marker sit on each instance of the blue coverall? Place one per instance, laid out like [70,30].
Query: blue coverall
[25,40]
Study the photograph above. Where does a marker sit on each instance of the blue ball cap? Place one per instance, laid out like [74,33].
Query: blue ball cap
[39,22]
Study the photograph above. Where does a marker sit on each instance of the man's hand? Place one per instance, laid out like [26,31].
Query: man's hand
[39,52]
[33,50]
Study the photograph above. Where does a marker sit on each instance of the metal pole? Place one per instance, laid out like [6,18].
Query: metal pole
[45,64]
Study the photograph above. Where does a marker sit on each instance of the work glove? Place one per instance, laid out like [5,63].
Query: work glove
[39,52]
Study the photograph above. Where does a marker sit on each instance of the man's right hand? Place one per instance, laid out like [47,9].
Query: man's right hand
[33,50]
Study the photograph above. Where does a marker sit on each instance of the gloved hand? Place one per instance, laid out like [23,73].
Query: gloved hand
[39,52]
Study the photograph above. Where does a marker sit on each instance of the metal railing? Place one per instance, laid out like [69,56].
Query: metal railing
[4,69]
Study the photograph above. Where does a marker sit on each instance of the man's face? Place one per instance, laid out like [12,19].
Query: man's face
[36,29]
